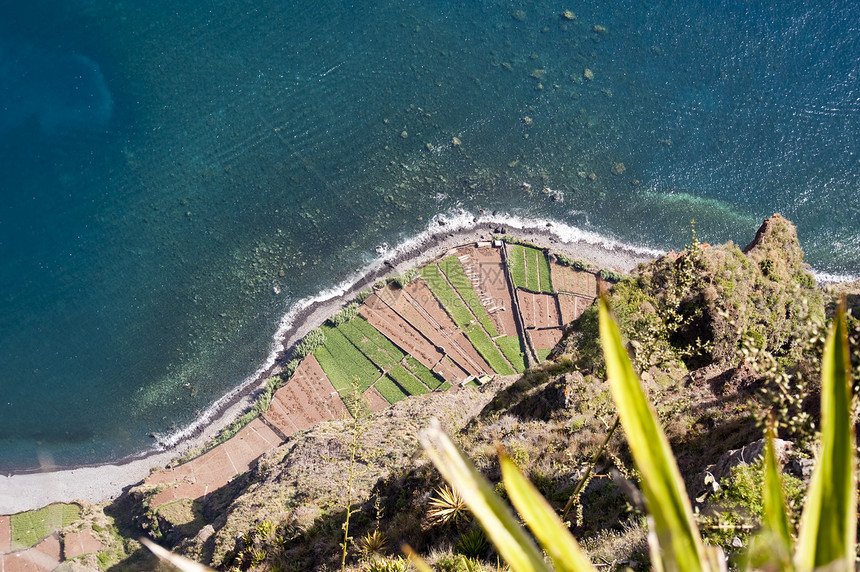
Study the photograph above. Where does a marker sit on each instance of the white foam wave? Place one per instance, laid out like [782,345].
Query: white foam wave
[563,231]
[828,278]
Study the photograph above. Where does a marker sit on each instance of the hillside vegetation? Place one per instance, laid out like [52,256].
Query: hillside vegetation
[720,336]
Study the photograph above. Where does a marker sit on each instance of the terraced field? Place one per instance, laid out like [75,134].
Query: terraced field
[356,356]
[465,315]
[480,310]
[530,269]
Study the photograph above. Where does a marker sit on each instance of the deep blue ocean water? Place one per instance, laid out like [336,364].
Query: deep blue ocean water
[165,166]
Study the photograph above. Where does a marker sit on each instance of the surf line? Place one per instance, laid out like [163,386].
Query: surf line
[332,69]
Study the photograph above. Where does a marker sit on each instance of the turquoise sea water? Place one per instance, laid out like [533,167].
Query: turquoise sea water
[166,167]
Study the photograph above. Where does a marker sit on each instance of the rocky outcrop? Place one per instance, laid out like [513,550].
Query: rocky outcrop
[701,306]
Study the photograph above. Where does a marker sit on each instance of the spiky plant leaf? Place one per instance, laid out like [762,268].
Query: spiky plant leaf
[182,563]
[540,517]
[509,538]
[828,525]
[770,548]
[447,506]
[415,559]
[680,545]
[373,542]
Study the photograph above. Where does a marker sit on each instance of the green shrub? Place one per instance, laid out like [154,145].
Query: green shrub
[473,544]
[457,563]
[345,315]
[290,369]
[308,345]
[610,275]
[373,542]
[377,564]
[402,280]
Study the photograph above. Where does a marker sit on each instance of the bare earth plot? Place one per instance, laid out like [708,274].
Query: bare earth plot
[567,279]
[374,400]
[79,543]
[544,340]
[43,557]
[572,306]
[404,335]
[541,319]
[577,290]
[309,398]
[484,266]
[214,469]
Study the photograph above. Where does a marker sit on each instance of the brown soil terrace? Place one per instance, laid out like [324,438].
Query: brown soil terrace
[414,320]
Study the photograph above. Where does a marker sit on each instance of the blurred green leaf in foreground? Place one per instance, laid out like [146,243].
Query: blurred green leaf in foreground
[827,535]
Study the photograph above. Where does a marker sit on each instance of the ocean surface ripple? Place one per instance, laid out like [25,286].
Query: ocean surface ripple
[180,182]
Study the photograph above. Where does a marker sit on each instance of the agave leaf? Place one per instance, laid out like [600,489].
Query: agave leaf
[829,521]
[507,535]
[182,563]
[542,520]
[775,531]
[415,559]
[680,545]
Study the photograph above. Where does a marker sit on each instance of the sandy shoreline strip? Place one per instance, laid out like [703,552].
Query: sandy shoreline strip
[19,492]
